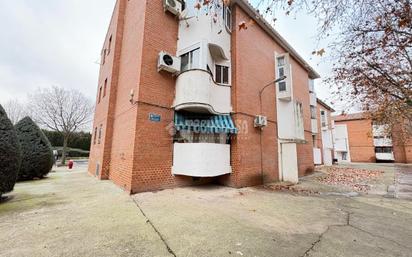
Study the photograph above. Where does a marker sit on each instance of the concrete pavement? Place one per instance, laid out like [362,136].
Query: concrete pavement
[73,214]
[219,221]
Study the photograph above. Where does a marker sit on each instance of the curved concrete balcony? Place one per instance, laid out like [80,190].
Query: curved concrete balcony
[196,91]
[201,159]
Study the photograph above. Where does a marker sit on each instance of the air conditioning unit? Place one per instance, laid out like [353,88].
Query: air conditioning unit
[173,6]
[168,63]
[261,121]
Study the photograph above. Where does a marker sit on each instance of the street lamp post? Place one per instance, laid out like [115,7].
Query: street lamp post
[260,110]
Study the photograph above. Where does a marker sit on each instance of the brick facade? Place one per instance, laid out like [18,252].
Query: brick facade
[361,144]
[136,153]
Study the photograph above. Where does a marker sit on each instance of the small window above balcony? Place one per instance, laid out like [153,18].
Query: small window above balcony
[190,60]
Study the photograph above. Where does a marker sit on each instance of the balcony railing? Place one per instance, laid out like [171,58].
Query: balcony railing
[201,159]
[196,91]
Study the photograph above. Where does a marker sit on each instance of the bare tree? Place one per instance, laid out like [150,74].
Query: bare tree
[374,69]
[15,110]
[61,110]
[370,46]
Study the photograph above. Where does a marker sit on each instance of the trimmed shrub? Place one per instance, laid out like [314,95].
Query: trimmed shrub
[10,156]
[37,155]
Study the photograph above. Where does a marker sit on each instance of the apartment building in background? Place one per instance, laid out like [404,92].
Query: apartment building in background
[359,139]
[182,98]
[322,136]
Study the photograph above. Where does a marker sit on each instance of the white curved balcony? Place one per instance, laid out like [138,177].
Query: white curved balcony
[201,159]
[196,91]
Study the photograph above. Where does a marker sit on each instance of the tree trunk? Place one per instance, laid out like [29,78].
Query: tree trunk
[65,139]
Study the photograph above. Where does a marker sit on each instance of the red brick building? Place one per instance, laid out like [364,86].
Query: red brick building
[180,101]
[370,143]
[322,135]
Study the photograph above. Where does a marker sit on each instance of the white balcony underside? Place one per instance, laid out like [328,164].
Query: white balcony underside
[385,156]
[201,159]
[196,91]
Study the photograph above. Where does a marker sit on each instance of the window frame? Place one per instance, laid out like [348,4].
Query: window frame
[323,118]
[282,85]
[227,18]
[222,69]
[190,62]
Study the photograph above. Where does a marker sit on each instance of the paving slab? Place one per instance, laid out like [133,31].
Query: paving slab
[220,221]
[72,214]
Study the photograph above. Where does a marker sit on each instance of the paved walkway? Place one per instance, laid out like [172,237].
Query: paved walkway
[403,185]
[73,214]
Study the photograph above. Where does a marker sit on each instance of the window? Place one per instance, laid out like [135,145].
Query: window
[313,112]
[323,118]
[110,45]
[190,60]
[383,149]
[227,15]
[281,63]
[95,136]
[100,134]
[314,140]
[344,156]
[222,74]
[105,88]
[100,94]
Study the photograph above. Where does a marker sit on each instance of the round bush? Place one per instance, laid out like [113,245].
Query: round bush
[37,155]
[9,154]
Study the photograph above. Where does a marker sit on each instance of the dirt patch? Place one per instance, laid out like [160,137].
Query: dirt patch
[290,188]
[356,179]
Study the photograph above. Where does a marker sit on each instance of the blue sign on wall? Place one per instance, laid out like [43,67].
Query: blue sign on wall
[154,117]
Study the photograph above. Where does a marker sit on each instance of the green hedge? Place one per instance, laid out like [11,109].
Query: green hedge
[78,140]
[10,154]
[72,152]
[37,155]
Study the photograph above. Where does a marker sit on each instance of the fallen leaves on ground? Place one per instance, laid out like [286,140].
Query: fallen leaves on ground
[357,179]
[290,188]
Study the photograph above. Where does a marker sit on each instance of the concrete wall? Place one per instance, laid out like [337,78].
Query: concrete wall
[201,159]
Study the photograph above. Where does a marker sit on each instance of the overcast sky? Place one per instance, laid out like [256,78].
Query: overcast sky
[58,42]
